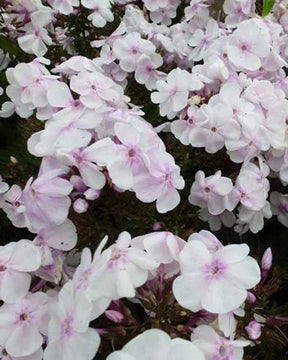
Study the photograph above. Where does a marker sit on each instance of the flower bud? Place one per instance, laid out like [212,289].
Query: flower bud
[266,262]
[253,330]
[157,226]
[78,183]
[114,316]
[251,298]
[92,194]
[80,206]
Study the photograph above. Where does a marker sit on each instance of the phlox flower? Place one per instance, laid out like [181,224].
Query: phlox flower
[227,218]
[69,334]
[46,200]
[209,239]
[17,259]
[248,45]
[125,268]
[86,161]
[22,325]
[218,128]
[4,187]
[182,128]
[146,72]
[68,129]
[155,5]
[196,7]
[126,159]
[249,191]
[101,11]
[14,206]
[38,355]
[61,237]
[65,6]
[36,37]
[227,322]
[216,347]
[216,282]
[279,203]
[28,86]
[237,11]
[154,344]
[200,40]
[83,279]
[164,247]
[210,192]
[166,14]
[172,94]
[160,183]
[95,89]
[129,49]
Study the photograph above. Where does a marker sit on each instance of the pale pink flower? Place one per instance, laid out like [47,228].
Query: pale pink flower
[163,247]
[46,200]
[160,183]
[183,128]
[14,206]
[210,192]
[95,89]
[216,347]
[248,45]
[154,344]
[208,279]
[80,206]
[248,191]
[200,40]
[38,355]
[254,330]
[146,72]
[279,203]
[83,279]
[172,94]
[36,37]
[61,237]
[129,49]
[69,334]
[215,222]
[126,268]
[101,12]
[17,259]
[153,5]
[65,6]
[22,325]
[218,127]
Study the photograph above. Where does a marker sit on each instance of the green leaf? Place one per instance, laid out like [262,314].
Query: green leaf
[11,47]
[267,7]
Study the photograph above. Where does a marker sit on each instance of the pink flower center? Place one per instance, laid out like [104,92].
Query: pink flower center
[67,326]
[23,317]
[213,129]
[2,268]
[207,189]
[215,270]
[131,153]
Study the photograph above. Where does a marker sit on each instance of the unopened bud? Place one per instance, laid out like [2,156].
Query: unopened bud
[13,160]
[157,226]
[80,206]
[253,330]
[251,298]
[266,262]
[92,194]
[114,316]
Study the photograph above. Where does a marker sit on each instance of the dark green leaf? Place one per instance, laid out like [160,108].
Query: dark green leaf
[267,7]
[11,47]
